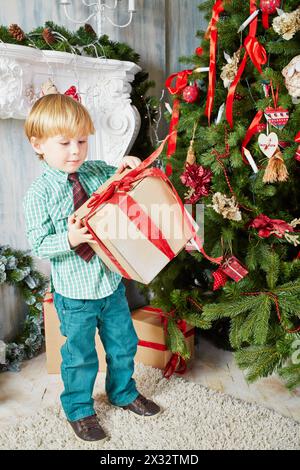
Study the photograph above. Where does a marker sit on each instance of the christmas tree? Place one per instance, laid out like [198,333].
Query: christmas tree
[235,150]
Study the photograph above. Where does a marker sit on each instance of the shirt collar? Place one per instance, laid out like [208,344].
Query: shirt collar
[59,174]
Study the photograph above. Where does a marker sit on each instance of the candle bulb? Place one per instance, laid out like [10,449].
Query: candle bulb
[250,160]
[131,5]
[65,2]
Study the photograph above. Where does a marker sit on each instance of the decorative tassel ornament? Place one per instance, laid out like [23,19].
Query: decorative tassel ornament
[276,170]
[191,157]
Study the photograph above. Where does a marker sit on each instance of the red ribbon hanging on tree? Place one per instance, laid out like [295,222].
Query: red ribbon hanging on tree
[212,33]
[252,129]
[180,84]
[258,56]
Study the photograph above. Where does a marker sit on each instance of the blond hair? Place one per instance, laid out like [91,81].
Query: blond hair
[58,114]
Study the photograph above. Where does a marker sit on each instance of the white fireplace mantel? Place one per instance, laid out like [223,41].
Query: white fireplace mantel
[103,84]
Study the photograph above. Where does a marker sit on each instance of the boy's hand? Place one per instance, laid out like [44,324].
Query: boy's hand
[77,233]
[130,161]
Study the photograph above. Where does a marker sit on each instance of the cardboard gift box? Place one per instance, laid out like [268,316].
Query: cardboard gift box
[149,324]
[139,222]
[55,340]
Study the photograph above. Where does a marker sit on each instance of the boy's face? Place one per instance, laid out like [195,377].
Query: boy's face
[62,153]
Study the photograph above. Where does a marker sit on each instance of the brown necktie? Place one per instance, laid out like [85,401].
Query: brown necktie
[80,196]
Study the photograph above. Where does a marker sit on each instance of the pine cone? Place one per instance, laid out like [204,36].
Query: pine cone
[48,36]
[16,32]
[90,30]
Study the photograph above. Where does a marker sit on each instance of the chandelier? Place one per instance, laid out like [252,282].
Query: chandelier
[100,9]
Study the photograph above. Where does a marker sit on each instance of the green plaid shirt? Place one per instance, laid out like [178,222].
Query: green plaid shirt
[47,205]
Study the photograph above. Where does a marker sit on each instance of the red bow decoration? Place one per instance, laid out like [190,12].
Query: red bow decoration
[266,226]
[72,92]
[198,179]
[180,84]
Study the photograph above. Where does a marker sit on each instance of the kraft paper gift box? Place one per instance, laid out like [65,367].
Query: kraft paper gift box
[139,222]
[152,349]
[55,340]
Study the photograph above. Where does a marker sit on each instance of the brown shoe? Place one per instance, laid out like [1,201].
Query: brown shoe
[143,407]
[88,429]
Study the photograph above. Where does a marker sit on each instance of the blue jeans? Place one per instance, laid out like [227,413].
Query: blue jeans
[78,322]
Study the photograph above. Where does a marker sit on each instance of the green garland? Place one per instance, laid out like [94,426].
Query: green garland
[17,269]
[84,41]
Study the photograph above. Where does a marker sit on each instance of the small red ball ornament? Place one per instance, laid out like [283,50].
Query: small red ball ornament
[269,6]
[191,93]
[199,51]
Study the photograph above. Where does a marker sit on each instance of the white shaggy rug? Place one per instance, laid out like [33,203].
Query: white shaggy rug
[194,418]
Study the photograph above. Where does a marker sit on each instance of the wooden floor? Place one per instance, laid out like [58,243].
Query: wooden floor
[25,392]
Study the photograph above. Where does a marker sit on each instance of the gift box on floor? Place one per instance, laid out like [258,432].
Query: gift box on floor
[55,340]
[150,326]
[139,222]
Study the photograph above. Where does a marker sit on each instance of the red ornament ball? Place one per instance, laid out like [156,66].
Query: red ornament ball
[199,51]
[190,93]
[269,6]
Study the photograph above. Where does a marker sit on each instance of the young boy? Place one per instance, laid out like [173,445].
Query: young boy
[86,294]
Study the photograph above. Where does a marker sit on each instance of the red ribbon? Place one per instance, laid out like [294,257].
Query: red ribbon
[258,56]
[265,20]
[213,35]
[252,129]
[266,226]
[181,81]
[180,84]
[116,193]
[297,138]
[47,301]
